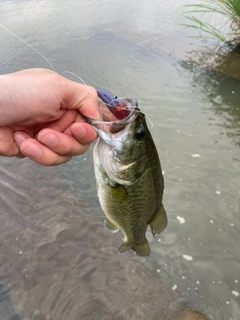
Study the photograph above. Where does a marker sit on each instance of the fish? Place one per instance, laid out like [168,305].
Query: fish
[128,174]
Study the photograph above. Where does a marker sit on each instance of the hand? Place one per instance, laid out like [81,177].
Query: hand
[41,116]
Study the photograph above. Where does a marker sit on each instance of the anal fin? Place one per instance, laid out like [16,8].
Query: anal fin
[125,247]
[159,221]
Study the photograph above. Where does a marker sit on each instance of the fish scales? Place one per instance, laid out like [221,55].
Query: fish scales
[130,182]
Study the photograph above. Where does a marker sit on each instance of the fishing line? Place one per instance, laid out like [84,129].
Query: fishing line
[74,74]
[145,115]
[64,72]
[79,78]
[29,46]
[99,99]
[149,121]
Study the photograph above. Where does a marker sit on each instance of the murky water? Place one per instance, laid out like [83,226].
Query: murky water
[56,259]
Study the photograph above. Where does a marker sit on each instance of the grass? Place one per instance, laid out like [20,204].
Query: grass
[226,30]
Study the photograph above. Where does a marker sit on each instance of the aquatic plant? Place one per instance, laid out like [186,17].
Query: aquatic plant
[227,29]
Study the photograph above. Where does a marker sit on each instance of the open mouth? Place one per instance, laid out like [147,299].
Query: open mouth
[115,115]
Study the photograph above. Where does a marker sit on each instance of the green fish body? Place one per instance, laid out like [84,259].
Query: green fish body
[130,182]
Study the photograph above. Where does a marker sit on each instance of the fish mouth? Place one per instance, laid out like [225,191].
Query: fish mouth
[110,126]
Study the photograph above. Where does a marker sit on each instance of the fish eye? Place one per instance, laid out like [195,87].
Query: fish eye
[140,133]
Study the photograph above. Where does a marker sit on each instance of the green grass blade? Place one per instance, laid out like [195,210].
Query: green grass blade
[230,9]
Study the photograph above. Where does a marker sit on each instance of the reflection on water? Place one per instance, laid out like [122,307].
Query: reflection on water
[220,88]
[56,259]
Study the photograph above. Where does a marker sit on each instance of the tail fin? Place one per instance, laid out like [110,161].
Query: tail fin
[141,249]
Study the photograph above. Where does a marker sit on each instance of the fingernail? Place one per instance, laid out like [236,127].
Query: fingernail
[32,151]
[19,137]
[49,139]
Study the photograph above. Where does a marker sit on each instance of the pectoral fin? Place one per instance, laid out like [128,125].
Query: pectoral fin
[119,193]
[159,221]
[110,226]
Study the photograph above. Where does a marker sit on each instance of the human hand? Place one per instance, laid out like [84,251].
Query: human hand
[41,116]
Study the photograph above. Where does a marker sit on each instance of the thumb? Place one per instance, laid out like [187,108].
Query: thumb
[84,98]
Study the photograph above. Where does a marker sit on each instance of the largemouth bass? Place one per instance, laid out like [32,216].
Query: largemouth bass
[129,176]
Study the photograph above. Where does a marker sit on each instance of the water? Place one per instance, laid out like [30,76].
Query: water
[56,259]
